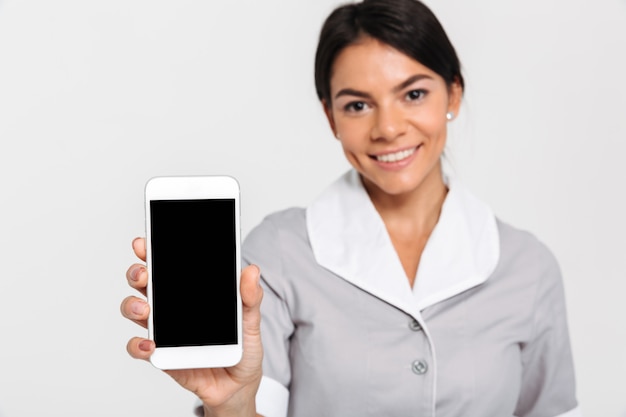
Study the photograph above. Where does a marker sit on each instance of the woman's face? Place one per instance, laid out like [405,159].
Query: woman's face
[389,112]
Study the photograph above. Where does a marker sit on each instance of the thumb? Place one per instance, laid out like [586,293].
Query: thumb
[251,291]
[251,295]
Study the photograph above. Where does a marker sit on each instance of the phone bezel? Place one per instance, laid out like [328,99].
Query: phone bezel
[191,188]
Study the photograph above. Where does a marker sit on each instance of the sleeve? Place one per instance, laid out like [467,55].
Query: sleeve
[263,248]
[548,380]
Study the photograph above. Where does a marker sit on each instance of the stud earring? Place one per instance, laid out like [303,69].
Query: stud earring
[449,115]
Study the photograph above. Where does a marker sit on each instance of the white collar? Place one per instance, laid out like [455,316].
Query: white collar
[349,238]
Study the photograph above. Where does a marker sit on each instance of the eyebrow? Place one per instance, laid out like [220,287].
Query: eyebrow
[396,89]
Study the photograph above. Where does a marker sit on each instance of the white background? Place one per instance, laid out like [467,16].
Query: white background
[96,97]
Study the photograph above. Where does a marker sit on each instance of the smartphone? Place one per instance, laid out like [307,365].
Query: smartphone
[193,259]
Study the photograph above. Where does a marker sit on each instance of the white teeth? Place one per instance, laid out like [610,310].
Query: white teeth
[397,156]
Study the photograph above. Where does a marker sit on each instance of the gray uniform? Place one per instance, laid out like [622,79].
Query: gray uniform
[483,331]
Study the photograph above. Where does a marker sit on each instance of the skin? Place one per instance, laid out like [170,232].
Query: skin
[380,109]
[382,102]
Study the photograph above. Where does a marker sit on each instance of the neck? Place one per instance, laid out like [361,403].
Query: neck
[411,217]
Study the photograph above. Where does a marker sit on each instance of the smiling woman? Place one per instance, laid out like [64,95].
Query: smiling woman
[396,292]
[391,121]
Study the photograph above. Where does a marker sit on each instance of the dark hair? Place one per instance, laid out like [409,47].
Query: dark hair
[406,25]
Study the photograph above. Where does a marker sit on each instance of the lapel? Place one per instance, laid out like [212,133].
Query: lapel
[349,238]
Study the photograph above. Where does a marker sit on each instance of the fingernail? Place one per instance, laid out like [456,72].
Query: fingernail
[134,240]
[258,276]
[145,345]
[139,307]
[134,274]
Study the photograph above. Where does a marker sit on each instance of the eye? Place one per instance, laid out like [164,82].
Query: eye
[415,95]
[355,106]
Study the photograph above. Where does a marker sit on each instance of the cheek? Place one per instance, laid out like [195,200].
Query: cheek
[352,149]
[354,157]
[430,119]
[430,124]
[353,134]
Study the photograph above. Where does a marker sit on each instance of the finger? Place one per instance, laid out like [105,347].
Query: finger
[140,348]
[137,277]
[251,295]
[135,309]
[251,291]
[139,247]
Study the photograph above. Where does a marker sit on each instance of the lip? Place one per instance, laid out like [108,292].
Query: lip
[395,165]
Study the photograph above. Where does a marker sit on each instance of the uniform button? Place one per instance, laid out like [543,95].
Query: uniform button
[420,367]
[414,325]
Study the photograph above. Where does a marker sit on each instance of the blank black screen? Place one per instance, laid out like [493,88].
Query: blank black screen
[193,272]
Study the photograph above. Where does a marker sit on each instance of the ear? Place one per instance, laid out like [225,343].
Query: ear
[329,116]
[455,95]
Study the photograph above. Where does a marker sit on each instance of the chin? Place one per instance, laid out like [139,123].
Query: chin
[394,186]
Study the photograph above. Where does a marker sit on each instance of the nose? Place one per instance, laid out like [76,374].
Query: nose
[390,122]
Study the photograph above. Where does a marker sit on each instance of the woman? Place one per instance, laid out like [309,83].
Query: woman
[396,292]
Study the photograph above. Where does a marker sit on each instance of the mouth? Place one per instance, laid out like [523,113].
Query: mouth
[395,156]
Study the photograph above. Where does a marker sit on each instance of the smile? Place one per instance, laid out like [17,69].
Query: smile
[395,156]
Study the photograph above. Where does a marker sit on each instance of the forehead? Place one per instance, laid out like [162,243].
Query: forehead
[369,63]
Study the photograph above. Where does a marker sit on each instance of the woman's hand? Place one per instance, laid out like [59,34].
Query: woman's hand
[223,391]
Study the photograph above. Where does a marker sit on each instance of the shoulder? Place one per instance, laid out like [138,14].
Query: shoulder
[521,249]
[279,244]
[285,224]
[530,267]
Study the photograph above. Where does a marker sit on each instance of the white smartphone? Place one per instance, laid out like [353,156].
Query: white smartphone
[193,259]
